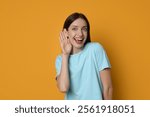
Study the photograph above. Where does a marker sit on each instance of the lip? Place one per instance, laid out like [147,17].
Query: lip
[78,40]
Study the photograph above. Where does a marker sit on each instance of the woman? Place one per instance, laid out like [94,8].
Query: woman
[83,69]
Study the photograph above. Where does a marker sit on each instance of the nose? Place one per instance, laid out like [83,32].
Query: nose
[80,33]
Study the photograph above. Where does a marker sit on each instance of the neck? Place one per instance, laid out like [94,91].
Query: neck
[76,50]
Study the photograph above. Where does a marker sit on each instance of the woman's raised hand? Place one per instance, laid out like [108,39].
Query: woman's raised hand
[65,42]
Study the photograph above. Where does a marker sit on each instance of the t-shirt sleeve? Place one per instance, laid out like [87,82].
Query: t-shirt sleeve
[102,58]
[58,65]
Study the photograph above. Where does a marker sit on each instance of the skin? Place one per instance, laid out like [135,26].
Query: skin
[107,84]
[78,31]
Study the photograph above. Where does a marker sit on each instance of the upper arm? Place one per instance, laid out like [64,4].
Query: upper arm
[101,58]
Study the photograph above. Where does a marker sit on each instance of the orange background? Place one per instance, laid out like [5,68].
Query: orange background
[29,44]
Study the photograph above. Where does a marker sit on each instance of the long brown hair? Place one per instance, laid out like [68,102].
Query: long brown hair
[71,18]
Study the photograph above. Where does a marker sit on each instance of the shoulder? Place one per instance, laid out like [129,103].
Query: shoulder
[94,46]
[58,58]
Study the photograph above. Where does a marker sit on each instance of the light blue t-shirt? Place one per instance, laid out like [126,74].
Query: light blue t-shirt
[84,72]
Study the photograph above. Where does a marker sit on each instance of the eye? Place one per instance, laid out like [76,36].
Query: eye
[85,29]
[75,29]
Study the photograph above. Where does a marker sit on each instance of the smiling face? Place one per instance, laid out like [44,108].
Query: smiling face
[77,33]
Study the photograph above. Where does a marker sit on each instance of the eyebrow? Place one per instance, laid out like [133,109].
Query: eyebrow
[77,26]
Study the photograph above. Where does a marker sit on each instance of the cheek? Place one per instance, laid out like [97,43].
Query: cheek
[85,34]
[71,35]
[71,39]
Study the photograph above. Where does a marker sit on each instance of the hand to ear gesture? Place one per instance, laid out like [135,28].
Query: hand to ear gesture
[65,42]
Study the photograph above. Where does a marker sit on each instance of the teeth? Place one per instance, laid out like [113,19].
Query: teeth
[78,39]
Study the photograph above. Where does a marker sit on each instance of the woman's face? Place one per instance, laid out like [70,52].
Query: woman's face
[77,33]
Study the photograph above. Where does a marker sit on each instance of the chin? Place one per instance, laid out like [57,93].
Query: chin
[78,46]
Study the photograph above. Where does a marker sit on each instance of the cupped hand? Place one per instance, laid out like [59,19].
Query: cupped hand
[65,42]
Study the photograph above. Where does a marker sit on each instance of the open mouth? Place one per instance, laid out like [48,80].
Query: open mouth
[78,41]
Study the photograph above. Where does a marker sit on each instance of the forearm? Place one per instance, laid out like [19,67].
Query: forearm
[107,93]
[107,84]
[63,78]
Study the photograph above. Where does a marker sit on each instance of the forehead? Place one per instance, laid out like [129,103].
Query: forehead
[79,22]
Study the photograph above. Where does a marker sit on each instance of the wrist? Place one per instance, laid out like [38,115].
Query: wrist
[65,55]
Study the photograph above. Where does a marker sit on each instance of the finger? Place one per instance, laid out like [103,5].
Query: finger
[61,40]
[60,37]
[66,34]
[68,41]
[64,37]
